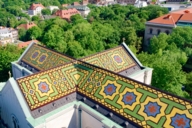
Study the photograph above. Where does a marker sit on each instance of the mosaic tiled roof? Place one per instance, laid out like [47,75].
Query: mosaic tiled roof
[41,58]
[131,100]
[115,59]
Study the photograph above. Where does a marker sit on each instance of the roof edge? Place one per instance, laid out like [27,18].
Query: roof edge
[20,97]
[25,51]
[131,53]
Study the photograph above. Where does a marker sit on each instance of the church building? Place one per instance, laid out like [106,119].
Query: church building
[109,89]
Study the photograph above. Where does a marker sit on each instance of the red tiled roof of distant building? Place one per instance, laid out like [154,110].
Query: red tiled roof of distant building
[25,44]
[183,11]
[66,14]
[169,19]
[186,17]
[26,26]
[34,6]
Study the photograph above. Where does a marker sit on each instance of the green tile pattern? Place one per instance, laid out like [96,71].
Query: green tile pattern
[139,103]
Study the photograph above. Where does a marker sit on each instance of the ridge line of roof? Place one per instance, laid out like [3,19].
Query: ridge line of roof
[132,54]
[65,55]
[99,52]
[26,50]
[143,84]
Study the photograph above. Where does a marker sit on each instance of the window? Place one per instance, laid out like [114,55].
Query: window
[167,32]
[158,32]
[150,30]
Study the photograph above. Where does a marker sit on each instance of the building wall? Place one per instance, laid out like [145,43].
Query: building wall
[155,28]
[19,71]
[84,13]
[15,34]
[38,10]
[89,121]
[31,12]
[35,11]
[144,76]
[62,120]
[11,109]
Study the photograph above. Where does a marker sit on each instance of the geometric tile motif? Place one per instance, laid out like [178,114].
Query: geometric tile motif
[180,121]
[152,109]
[110,89]
[139,103]
[42,58]
[115,59]
[129,98]
[48,86]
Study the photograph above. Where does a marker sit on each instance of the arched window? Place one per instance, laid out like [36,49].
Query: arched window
[151,31]
[167,32]
[158,32]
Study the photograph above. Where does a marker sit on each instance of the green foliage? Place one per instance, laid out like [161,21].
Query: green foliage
[75,19]
[35,18]
[104,28]
[159,42]
[22,34]
[46,11]
[75,49]
[166,76]
[181,36]
[54,39]
[34,33]
[8,54]
[188,85]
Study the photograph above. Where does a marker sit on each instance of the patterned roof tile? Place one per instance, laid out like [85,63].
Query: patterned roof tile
[42,58]
[132,100]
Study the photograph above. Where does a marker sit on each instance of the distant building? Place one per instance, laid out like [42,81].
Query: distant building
[85,2]
[8,33]
[25,44]
[75,3]
[176,1]
[94,1]
[66,14]
[5,40]
[35,9]
[140,4]
[83,9]
[166,23]
[27,25]
[65,5]
[126,1]
[47,17]
[52,8]
[175,7]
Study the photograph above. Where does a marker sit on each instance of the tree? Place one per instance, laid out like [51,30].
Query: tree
[75,50]
[22,34]
[167,73]
[75,19]
[34,32]
[129,33]
[46,11]
[54,39]
[159,42]
[8,54]
[181,36]
[35,18]
[188,85]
